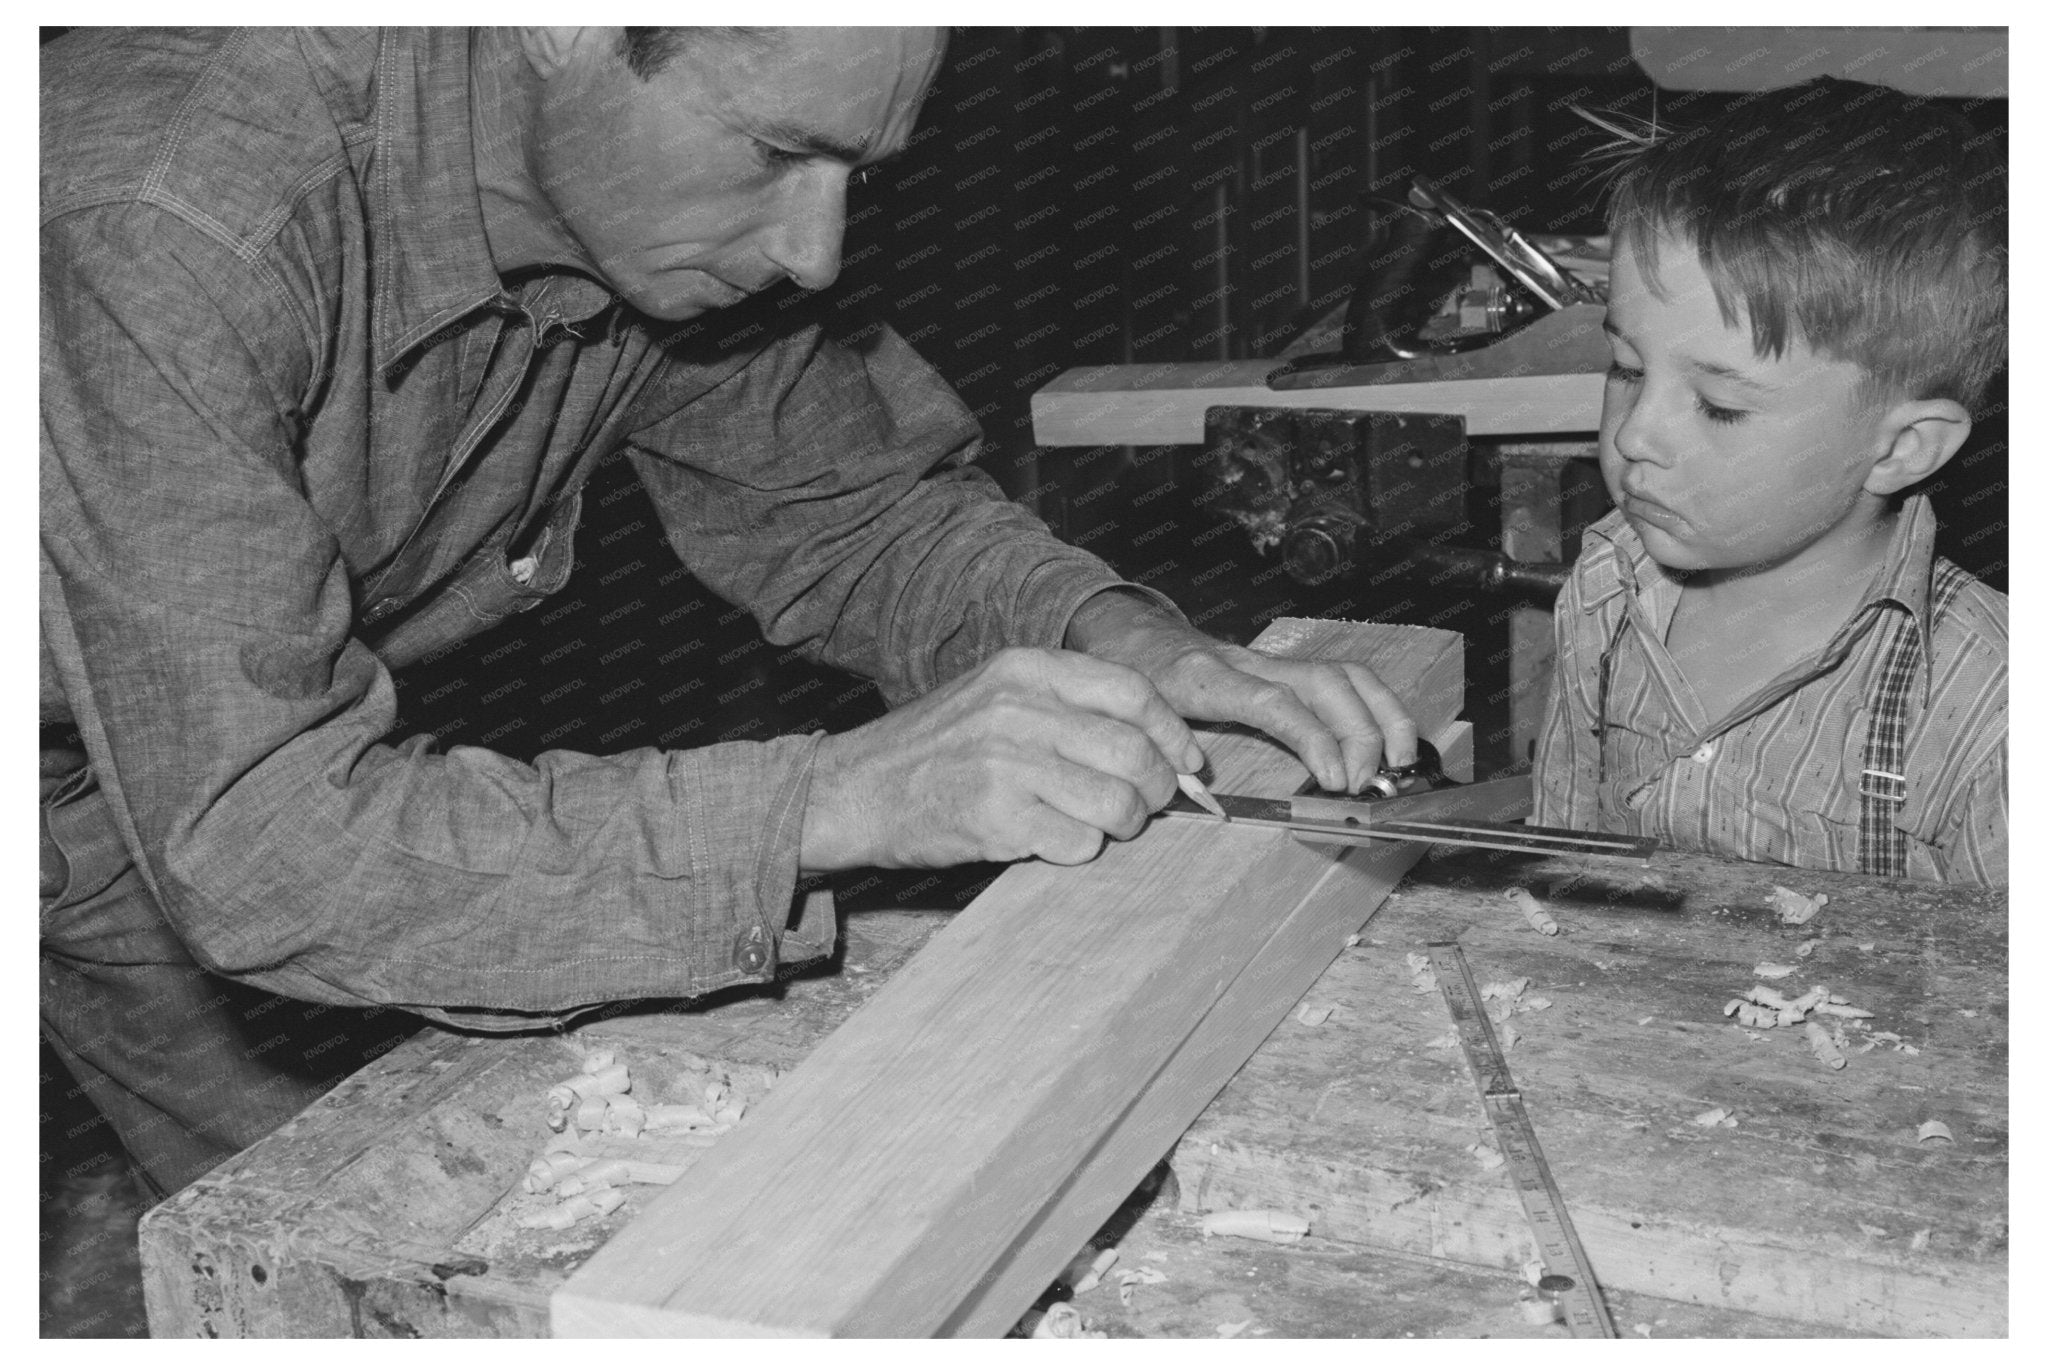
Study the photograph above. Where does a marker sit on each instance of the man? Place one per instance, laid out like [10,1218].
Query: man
[334,326]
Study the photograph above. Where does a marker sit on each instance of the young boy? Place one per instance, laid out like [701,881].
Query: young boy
[1759,654]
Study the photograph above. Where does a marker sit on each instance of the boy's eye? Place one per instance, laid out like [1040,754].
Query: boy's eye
[1623,374]
[773,155]
[1722,416]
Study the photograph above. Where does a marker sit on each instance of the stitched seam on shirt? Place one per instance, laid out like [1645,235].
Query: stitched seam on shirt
[174,135]
[273,222]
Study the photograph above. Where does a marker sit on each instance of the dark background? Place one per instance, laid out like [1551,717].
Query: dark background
[1108,196]
[1072,197]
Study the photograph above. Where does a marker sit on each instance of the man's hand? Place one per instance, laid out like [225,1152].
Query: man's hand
[1036,753]
[1337,718]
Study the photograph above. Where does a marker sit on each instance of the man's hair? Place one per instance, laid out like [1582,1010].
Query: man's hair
[1867,222]
[648,52]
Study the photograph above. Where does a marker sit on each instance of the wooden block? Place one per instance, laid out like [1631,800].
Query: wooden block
[1100,405]
[1820,1205]
[917,1170]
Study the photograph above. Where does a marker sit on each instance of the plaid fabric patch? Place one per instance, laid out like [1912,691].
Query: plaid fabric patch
[1880,843]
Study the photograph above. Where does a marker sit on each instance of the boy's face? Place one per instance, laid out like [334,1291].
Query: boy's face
[1721,459]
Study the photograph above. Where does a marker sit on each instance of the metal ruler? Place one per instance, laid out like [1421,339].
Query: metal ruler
[1567,1274]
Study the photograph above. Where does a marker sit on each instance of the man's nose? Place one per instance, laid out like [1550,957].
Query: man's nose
[809,228]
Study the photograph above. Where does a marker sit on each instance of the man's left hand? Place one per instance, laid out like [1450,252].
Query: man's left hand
[1338,718]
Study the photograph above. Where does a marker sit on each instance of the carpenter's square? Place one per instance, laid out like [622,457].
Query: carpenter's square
[1419,804]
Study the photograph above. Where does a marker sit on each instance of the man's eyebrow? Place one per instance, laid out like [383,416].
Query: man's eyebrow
[798,137]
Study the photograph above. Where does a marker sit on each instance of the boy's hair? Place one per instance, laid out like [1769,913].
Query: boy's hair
[1868,222]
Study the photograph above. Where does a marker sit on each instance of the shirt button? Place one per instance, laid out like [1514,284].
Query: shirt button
[1704,754]
[750,952]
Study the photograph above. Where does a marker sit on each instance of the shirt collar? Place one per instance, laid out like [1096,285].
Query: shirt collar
[435,265]
[1617,563]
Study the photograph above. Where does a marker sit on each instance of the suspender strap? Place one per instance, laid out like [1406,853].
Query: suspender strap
[1880,843]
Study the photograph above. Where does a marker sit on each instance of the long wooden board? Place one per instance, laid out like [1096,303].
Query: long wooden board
[898,1182]
[1100,405]
[1821,1204]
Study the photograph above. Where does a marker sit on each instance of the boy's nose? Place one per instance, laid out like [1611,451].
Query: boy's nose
[1638,437]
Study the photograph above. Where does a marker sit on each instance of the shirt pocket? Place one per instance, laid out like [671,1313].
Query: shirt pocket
[492,583]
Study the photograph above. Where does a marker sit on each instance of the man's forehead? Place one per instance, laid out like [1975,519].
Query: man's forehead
[858,88]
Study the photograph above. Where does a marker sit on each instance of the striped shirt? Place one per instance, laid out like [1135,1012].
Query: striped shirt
[1779,778]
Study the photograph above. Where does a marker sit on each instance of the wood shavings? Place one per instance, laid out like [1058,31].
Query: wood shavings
[1920,1239]
[660,1117]
[1806,949]
[572,1211]
[1504,990]
[1231,1329]
[1824,1047]
[1934,1130]
[1715,1118]
[1422,973]
[1648,1019]
[1792,907]
[550,1167]
[1354,940]
[1750,1014]
[1532,910]
[1842,1011]
[1261,1225]
[1535,1309]
[1127,1282]
[1489,1158]
[1771,971]
[1062,1322]
[1311,1015]
[1507,1035]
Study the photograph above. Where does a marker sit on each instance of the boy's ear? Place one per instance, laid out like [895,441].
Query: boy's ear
[1918,437]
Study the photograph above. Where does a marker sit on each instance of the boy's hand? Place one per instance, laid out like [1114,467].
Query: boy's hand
[1338,718]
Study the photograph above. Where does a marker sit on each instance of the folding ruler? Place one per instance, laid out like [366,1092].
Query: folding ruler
[1567,1274]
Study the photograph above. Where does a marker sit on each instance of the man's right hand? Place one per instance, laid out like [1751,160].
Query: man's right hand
[1037,753]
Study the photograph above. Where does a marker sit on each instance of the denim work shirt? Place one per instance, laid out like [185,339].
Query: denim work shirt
[1778,778]
[296,432]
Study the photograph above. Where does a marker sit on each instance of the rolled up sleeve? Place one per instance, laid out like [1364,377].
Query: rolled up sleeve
[200,621]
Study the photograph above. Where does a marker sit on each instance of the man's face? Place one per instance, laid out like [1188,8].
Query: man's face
[1718,458]
[727,171]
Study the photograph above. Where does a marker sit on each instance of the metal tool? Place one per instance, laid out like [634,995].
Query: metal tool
[1418,804]
[1567,1274]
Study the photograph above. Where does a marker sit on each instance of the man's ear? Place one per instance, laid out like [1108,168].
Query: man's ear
[1919,436]
[548,50]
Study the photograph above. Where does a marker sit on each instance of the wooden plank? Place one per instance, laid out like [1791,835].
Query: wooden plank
[1163,404]
[1821,1205]
[1301,947]
[888,1174]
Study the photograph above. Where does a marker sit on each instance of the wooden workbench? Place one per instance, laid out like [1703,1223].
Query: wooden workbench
[390,1208]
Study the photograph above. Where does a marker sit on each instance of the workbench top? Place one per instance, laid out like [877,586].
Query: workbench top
[393,1206]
